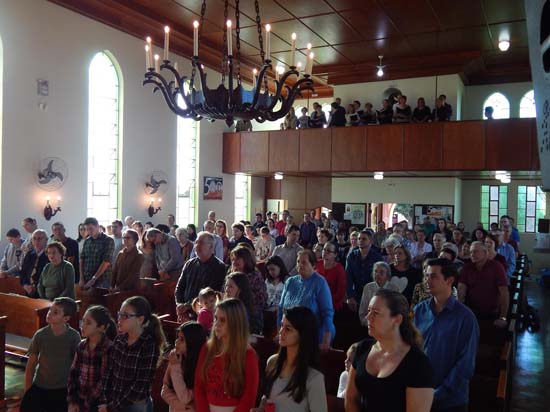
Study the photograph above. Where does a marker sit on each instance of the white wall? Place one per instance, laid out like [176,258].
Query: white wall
[475,96]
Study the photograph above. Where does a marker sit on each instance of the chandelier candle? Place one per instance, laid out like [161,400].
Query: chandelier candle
[157,63]
[267,42]
[147,58]
[195,38]
[150,44]
[254,74]
[292,49]
[166,42]
[229,39]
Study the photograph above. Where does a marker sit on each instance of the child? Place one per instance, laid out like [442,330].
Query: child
[177,387]
[276,276]
[92,360]
[343,383]
[207,299]
[303,120]
[227,373]
[134,359]
[50,355]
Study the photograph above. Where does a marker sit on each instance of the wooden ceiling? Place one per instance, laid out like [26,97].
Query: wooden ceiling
[416,37]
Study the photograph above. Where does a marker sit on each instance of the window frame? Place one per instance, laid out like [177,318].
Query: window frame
[495,107]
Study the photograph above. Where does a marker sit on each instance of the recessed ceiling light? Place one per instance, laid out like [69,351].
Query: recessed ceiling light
[278,176]
[503,45]
[378,175]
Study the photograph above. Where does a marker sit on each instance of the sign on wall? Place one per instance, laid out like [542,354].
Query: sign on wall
[355,213]
[434,212]
[212,188]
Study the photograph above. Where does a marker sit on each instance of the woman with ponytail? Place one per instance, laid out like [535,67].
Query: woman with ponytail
[227,376]
[91,360]
[391,372]
[135,355]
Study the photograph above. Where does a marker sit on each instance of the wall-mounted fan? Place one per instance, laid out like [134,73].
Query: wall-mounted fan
[52,174]
[156,183]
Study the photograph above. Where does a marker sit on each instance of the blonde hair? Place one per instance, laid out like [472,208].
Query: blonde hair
[235,350]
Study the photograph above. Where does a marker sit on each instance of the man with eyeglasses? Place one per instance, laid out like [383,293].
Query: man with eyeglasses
[359,268]
[34,262]
[210,227]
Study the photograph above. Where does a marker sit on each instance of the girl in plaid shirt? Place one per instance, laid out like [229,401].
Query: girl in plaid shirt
[91,360]
[134,359]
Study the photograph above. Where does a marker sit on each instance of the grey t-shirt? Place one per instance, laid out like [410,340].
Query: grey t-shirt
[314,401]
[55,356]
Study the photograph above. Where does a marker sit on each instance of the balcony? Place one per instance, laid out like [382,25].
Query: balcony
[436,147]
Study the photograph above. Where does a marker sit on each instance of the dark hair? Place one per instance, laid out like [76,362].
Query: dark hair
[310,256]
[293,228]
[449,251]
[103,317]
[448,269]
[79,238]
[245,294]
[30,220]
[243,251]
[259,214]
[57,245]
[195,336]
[13,233]
[398,305]
[150,320]
[68,305]
[163,228]
[304,321]
[368,233]
[327,233]
[406,251]
[192,227]
[277,261]
[239,226]
[264,229]
[150,223]
[91,221]
[139,224]
[494,239]
[133,234]
[117,222]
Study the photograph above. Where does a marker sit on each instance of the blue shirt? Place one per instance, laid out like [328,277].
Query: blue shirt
[510,255]
[312,293]
[451,339]
[359,271]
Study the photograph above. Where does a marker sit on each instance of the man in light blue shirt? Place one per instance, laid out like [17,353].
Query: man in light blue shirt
[508,252]
[451,337]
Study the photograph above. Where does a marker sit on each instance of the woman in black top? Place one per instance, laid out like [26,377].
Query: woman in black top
[402,268]
[390,373]
[385,115]
[421,113]
[317,119]
[403,111]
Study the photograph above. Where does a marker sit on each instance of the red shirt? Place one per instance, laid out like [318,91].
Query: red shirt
[280,226]
[212,392]
[482,295]
[336,279]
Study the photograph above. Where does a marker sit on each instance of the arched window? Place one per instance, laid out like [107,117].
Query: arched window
[298,111]
[186,205]
[242,197]
[500,105]
[104,116]
[527,105]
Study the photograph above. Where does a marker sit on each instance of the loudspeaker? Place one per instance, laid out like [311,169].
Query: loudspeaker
[544,226]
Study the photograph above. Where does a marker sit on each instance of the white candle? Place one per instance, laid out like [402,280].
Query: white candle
[157,63]
[150,44]
[58,201]
[292,49]
[147,62]
[308,46]
[195,38]
[267,42]
[254,74]
[229,39]
[309,68]
[166,42]
[299,67]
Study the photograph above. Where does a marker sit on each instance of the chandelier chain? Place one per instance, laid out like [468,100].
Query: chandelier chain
[224,46]
[259,27]
[201,23]
[238,33]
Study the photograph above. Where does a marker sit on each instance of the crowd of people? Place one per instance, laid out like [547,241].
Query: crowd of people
[309,272]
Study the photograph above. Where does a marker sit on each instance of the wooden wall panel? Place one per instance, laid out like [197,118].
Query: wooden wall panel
[349,146]
[294,190]
[318,192]
[463,146]
[535,159]
[315,150]
[422,146]
[284,146]
[508,144]
[272,188]
[231,162]
[254,151]
[385,148]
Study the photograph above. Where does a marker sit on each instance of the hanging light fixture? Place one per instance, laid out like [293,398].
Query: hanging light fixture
[227,101]
[380,71]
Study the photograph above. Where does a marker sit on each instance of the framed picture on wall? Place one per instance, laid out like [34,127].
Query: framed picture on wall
[434,212]
[212,188]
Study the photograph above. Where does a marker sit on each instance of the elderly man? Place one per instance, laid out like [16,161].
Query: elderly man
[210,227]
[71,247]
[288,251]
[128,222]
[167,254]
[482,286]
[34,262]
[11,259]
[308,232]
[506,220]
[359,268]
[451,335]
[96,257]
[199,272]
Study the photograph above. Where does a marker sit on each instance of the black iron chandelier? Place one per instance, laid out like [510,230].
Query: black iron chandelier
[229,103]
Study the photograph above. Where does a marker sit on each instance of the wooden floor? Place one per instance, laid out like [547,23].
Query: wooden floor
[531,374]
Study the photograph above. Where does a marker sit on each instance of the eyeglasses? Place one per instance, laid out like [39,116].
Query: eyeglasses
[126,316]
[126,237]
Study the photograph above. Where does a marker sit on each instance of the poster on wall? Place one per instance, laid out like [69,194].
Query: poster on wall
[212,188]
[434,212]
[355,213]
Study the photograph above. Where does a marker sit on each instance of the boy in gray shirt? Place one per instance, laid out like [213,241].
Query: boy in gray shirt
[50,357]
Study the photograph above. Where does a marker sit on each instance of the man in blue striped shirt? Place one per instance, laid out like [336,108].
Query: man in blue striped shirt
[451,336]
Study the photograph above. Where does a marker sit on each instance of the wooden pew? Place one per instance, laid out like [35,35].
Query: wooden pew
[331,365]
[163,294]
[3,322]
[158,403]
[90,297]
[170,330]
[270,324]
[335,404]
[11,285]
